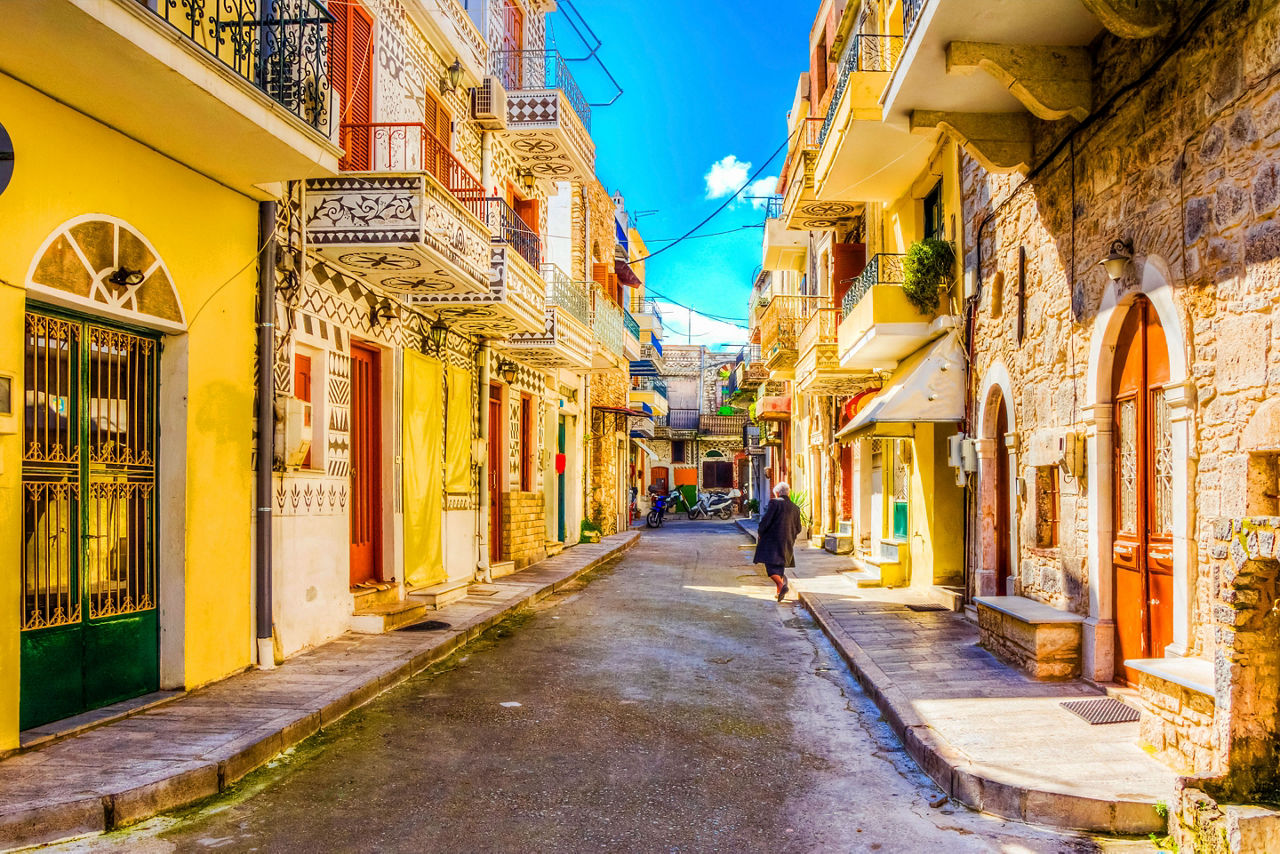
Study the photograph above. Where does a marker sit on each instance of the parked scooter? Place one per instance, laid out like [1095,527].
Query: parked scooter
[658,513]
[718,504]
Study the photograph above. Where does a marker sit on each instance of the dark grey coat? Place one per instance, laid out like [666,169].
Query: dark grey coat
[778,531]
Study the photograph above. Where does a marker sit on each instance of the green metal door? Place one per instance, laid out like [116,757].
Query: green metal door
[89,619]
[560,482]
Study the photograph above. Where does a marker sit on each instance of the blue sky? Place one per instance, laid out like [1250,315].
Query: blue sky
[703,80]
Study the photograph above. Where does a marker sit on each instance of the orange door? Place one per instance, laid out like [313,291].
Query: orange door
[660,478]
[1142,552]
[366,467]
[496,473]
[436,140]
[351,75]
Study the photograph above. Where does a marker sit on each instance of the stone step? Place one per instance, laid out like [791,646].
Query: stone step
[364,598]
[438,595]
[386,617]
[504,568]
[949,597]
[554,548]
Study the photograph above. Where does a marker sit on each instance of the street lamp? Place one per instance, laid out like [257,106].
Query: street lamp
[454,80]
[438,335]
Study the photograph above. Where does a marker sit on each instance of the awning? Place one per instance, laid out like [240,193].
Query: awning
[620,410]
[928,387]
[625,274]
[642,446]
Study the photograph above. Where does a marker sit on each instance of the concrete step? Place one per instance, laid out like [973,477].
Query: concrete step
[438,595]
[865,573]
[364,598]
[947,596]
[386,617]
[554,548]
[499,570]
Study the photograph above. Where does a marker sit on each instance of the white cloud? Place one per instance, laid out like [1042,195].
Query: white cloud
[705,330]
[726,176]
[760,188]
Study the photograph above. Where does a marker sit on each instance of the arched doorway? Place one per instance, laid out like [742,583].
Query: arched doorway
[1142,487]
[1002,509]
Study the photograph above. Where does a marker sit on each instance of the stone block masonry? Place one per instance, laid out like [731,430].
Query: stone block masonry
[1177,724]
[524,539]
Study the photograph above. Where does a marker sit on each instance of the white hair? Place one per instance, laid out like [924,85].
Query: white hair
[782,490]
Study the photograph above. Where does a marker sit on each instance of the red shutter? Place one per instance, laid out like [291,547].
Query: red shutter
[351,73]
[849,260]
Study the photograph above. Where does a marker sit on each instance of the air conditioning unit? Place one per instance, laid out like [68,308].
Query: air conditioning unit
[489,104]
[298,432]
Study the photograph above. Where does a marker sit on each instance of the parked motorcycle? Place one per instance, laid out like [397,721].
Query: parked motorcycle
[719,504]
[658,513]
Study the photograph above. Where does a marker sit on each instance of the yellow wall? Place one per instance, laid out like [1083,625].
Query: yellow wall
[936,513]
[68,165]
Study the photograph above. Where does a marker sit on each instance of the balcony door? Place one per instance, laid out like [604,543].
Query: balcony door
[438,137]
[1142,549]
[497,472]
[513,44]
[351,75]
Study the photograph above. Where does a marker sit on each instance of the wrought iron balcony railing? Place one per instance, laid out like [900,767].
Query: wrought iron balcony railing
[606,321]
[281,48]
[656,384]
[882,269]
[509,228]
[540,69]
[866,52]
[683,419]
[632,326]
[565,293]
[911,10]
[409,147]
[749,353]
[782,321]
[773,207]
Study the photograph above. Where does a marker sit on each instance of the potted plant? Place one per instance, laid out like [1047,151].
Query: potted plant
[927,269]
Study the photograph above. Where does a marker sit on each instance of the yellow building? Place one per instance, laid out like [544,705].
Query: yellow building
[127,352]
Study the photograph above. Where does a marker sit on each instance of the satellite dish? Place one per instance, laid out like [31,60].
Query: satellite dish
[6,159]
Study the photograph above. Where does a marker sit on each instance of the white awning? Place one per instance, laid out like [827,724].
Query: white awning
[642,446]
[928,387]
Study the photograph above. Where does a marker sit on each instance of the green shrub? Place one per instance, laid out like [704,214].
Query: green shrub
[929,266]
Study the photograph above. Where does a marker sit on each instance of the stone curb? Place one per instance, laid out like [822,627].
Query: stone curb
[957,775]
[188,782]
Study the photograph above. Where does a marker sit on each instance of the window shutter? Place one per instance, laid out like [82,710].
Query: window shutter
[849,260]
[351,73]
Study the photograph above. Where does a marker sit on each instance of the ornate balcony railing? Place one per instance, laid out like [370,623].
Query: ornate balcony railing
[606,322]
[782,321]
[866,52]
[632,326]
[882,269]
[540,69]
[911,10]
[565,293]
[721,425]
[773,207]
[749,353]
[409,147]
[822,328]
[509,228]
[281,48]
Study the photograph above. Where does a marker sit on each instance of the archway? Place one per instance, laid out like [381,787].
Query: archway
[997,448]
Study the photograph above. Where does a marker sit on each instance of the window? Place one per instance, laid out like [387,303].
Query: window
[439,141]
[933,213]
[901,489]
[526,443]
[1048,506]
[677,451]
[717,475]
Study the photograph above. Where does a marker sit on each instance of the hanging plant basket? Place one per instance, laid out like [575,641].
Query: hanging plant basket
[927,270]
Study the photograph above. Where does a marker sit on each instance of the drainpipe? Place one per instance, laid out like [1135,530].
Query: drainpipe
[486,163]
[483,570]
[266,430]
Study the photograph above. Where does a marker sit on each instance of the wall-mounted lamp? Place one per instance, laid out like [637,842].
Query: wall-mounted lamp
[453,80]
[508,371]
[528,179]
[126,278]
[438,335]
[1119,257]
[382,313]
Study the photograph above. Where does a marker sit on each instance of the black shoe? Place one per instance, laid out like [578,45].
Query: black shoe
[786,588]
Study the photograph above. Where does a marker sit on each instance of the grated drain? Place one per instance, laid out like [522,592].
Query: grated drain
[425,626]
[928,607]
[1105,710]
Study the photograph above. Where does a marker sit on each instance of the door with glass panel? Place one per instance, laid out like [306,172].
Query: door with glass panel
[88,549]
[1142,550]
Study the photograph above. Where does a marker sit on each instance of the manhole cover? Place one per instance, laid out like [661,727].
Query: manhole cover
[425,626]
[1105,710]
[928,607]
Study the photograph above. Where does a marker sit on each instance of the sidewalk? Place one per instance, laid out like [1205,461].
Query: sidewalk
[991,737]
[197,745]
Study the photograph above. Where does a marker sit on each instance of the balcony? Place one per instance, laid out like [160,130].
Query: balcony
[780,327]
[651,392]
[650,322]
[630,341]
[880,326]
[784,248]
[749,370]
[451,24]
[818,369]
[408,216]
[607,331]
[797,175]
[566,340]
[773,401]
[721,425]
[515,302]
[548,118]
[248,93]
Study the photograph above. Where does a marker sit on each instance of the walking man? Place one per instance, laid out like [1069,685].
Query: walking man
[775,545]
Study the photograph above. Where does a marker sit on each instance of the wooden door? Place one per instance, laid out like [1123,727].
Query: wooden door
[351,75]
[561,480]
[1142,551]
[513,44]
[660,479]
[436,141]
[366,467]
[1003,499]
[497,472]
[846,483]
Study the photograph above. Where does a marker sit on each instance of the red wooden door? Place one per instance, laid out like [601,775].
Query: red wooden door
[1004,527]
[1142,552]
[846,483]
[496,473]
[351,75]
[513,44]
[366,468]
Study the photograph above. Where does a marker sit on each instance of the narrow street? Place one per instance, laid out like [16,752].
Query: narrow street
[666,703]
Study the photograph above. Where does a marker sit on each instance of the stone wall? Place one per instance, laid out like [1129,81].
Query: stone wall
[607,388]
[524,537]
[1177,725]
